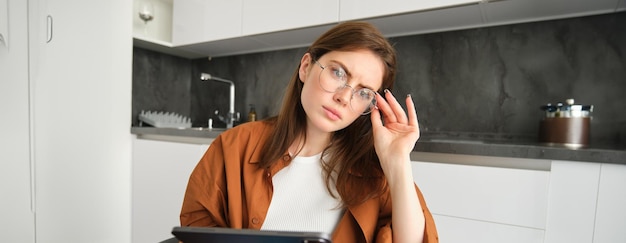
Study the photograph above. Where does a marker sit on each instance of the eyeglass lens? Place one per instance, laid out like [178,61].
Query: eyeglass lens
[334,78]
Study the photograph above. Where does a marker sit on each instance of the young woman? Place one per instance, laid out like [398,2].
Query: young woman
[335,159]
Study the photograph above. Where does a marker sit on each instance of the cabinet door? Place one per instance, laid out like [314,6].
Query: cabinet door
[17,221]
[80,75]
[157,30]
[160,174]
[461,230]
[361,9]
[278,15]
[514,11]
[196,21]
[474,203]
[468,16]
[573,198]
[611,211]
[499,195]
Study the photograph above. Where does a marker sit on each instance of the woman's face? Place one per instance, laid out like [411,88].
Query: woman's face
[331,111]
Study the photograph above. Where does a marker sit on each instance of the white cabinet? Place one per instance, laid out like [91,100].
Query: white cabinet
[484,204]
[611,211]
[491,199]
[221,28]
[159,28]
[157,34]
[464,17]
[160,174]
[362,9]
[500,195]
[80,70]
[17,221]
[454,229]
[196,21]
[279,15]
[515,11]
[573,195]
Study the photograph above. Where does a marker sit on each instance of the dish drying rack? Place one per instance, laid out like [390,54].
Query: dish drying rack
[164,119]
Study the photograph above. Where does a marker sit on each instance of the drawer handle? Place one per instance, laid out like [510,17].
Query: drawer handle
[49,29]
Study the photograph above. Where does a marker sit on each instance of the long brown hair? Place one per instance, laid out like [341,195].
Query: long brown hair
[350,159]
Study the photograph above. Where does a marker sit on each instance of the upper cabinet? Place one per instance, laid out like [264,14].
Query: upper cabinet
[152,26]
[360,9]
[516,11]
[219,28]
[197,21]
[457,16]
[261,17]
[201,28]
[152,20]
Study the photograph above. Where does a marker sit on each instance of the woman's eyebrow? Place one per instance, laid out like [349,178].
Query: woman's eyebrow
[367,87]
[340,64]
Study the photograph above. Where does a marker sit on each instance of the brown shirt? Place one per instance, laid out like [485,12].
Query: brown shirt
[228,189]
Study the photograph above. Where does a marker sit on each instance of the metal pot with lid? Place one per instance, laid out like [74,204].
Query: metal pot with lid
[567,109]
[565,124]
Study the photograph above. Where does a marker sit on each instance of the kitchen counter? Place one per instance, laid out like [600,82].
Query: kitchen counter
[440,142]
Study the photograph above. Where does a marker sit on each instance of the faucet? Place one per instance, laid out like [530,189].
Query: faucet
[231,117]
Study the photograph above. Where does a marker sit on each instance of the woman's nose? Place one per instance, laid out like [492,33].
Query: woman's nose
[343,94]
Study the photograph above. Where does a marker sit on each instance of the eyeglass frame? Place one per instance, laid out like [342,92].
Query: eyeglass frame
[344,85]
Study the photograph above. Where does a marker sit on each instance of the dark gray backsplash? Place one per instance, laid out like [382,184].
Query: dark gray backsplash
[485,80]
[160,83]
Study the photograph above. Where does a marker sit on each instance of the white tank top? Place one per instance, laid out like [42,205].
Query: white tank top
[301,201]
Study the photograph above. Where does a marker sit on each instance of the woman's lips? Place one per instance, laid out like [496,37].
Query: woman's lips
[332,114]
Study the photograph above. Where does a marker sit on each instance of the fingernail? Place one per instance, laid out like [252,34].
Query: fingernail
[386,90]
[408,95]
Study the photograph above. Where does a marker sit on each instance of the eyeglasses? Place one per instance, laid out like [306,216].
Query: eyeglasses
[334,78]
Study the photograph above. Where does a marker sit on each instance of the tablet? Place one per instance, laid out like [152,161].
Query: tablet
[218,235]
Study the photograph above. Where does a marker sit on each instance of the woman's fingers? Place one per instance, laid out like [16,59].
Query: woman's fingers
[391,109]
[410,106]
[375,116]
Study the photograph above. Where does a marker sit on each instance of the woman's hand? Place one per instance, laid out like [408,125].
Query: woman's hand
[395,138]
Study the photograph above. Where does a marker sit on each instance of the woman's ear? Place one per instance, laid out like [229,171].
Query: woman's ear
[305,66]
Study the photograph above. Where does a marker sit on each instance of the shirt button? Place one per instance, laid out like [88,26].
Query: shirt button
[255,220]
